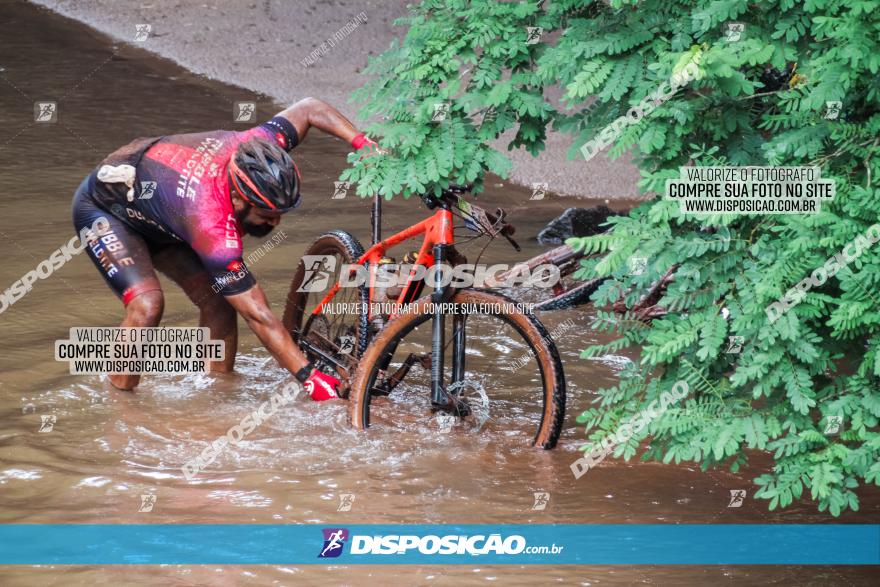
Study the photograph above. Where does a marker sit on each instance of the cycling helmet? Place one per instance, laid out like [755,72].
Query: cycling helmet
[265,175]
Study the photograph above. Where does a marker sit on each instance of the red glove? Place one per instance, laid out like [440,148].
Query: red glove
[321,386]
[361,141]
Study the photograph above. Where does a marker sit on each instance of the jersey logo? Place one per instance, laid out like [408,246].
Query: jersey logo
[232,239]
[200,161]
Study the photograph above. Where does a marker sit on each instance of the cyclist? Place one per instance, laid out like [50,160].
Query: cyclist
[181,203]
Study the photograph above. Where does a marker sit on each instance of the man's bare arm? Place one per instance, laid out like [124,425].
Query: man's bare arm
[254,308]
[310,112]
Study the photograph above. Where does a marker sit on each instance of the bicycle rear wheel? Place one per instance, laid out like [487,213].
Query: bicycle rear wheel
[341,335]
[509,370]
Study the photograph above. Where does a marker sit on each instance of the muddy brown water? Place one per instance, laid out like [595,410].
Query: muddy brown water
[108,448]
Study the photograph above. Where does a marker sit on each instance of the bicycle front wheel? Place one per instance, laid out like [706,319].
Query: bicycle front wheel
[500,360]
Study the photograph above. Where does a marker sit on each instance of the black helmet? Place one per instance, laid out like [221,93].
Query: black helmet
[265,175]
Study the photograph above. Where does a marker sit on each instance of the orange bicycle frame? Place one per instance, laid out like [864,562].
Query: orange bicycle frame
[437,230]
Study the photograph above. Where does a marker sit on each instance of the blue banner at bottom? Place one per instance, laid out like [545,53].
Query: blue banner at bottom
[606,544]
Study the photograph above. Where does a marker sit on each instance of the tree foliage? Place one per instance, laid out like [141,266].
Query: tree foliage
[760,100]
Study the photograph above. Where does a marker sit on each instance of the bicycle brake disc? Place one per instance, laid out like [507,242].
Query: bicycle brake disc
[472,392]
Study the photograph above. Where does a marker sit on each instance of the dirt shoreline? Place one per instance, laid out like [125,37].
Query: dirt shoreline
[240,42]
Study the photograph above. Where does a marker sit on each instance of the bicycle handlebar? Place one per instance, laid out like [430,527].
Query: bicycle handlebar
[451,196]
[455,189]
[507,228]
[448,195]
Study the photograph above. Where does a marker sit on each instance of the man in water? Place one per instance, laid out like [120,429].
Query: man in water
[181,203]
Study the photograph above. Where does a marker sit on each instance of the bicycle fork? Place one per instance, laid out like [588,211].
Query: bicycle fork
[439,395]
[438,330]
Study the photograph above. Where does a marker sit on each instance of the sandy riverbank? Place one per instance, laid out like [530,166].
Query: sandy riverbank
[261,45]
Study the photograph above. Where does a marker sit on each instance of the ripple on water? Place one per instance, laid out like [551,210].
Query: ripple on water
[616,362]
[248,499]
[19,475]
[94,482]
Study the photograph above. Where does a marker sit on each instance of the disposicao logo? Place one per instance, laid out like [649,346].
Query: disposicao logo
[432,544]
[334,540]
[442,545]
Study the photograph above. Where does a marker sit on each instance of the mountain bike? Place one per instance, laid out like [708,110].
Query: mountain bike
[483,359]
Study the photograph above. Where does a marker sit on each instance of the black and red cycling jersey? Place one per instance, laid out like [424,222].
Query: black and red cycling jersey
[180,195]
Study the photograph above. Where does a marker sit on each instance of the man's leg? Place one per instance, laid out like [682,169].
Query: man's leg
[145,309]
[121,255]
[183,266]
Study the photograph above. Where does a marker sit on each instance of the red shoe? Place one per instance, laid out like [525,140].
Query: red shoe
[321,386]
